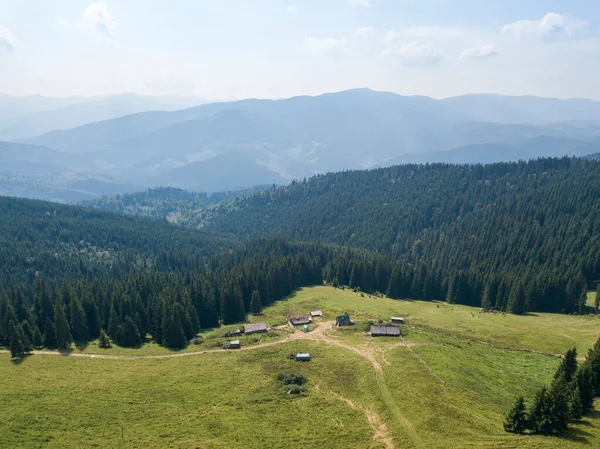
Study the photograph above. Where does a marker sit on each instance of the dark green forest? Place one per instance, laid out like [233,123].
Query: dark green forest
[514,237]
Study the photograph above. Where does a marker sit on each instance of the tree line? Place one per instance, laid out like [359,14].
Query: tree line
[521,236]
[569,397]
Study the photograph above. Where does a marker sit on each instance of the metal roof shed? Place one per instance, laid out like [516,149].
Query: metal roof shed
[385,331]
[303,357]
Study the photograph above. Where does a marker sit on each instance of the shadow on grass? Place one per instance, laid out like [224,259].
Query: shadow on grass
[81,346]
[576,435]
[20,360]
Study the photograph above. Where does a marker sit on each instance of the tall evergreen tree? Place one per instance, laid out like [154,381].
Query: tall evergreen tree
[26,342]
[104,341]
[49,333]
[516,420]
[486,298]
[597,299]
[38,339]
[128,334]
[585,384]
[16,345]
[79,329]
[516,299]
[568,366]
[61,327]
[255,303]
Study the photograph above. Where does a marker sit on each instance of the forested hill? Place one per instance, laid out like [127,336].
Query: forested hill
[179,206]
[57,241]
[537,221]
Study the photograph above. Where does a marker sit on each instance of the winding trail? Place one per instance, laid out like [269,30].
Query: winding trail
[381,432]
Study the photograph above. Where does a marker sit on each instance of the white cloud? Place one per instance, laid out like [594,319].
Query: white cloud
[7,39]
[97,19]
[481,52]
[363,3]
[292,9]
[550,27]
[415,53]
[323,45]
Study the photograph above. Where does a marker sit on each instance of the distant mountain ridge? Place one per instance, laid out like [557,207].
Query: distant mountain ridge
[231,145]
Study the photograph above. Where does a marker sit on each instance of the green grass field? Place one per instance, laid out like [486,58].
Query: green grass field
[439,387]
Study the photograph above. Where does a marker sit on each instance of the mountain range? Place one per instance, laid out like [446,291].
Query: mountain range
[232,145]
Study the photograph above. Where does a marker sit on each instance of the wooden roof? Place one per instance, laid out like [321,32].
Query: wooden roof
[255,327]
[385,330]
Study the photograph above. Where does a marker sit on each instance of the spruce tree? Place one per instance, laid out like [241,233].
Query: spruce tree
[49,334]
[25,340]
[104,341]
[255,303]
[486,298]
[575,404]
[61,327]
[79,329]
[585,384]
[560,395]
[453,290]
[16,345]
[568,366]
[516,420]
[173,335]
[538,417]
[597,299]
[516,299]
[38,339]
[128,334]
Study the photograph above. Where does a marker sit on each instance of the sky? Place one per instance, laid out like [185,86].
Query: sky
[229,49]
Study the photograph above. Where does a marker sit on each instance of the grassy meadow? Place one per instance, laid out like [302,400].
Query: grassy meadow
[439,386]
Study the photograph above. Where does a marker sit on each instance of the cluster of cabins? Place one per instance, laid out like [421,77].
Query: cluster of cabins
[376,330]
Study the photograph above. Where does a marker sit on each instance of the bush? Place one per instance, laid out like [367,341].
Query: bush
[292,379]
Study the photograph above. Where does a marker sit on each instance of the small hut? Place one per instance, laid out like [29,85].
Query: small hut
[303,357]
[343,320]
[233,344]
[397,320]
[300,321]
[255,328]
[316,313]
[385,331]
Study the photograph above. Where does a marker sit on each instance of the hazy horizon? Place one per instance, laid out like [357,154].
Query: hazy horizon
[274,49]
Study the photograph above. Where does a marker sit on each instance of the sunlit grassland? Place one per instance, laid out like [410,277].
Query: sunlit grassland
[232,399]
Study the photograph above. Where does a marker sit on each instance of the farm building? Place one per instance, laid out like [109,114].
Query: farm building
[385,331]
[300,321]
[343,320]
[316,313]
[397,320]
[233,344]
[303,357]
[255,328]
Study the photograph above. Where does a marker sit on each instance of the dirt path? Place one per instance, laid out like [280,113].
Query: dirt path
[317,334]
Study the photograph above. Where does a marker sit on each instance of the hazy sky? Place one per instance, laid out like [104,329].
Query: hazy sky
[223,49]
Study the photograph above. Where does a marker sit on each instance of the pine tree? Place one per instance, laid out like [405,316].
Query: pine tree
[49,334]
[104,341]
[255,303]
[25,340]
[559,396]
[61,327]
[539,414]
[128,334]
[597,300]
[516,299]
[113,322]
[585,384]
[486,298]
[79,329]
[16,345]
[575,404]
[568,366]
[173,335]
[38,339]
[453,290]
[516,420]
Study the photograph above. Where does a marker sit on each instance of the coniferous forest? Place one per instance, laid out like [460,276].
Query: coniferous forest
[514,237]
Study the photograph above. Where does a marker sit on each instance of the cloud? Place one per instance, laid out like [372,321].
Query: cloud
[98,20]
[414,54]
[481,52]
[551,27]
[292,9]
[363,3]
[7,39]
[323,45]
